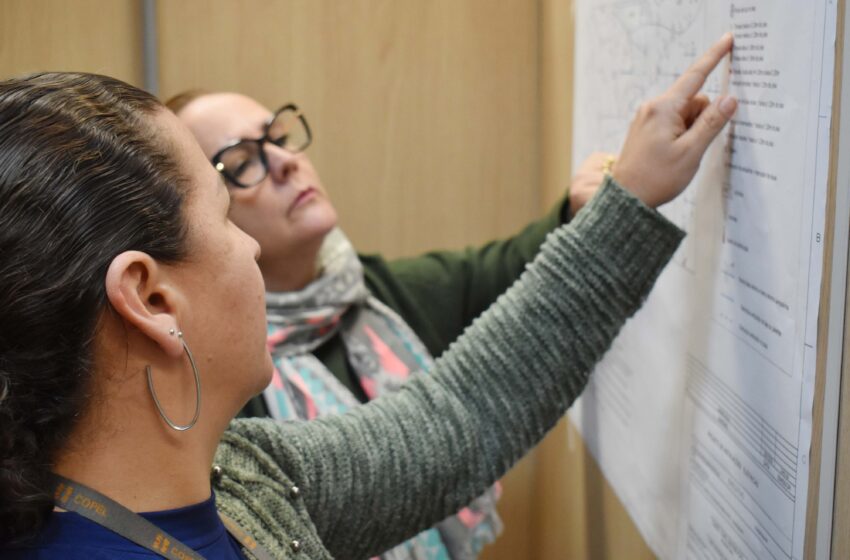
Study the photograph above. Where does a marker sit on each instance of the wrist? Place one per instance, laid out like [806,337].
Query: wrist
[634,185]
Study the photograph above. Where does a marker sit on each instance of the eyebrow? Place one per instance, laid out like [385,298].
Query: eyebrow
[255,134]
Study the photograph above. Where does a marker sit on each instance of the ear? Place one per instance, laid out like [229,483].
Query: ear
[139,291]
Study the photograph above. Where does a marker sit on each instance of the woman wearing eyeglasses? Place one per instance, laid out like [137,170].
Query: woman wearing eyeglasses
[346,328]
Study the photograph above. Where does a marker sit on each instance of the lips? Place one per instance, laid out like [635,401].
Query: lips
[303,196]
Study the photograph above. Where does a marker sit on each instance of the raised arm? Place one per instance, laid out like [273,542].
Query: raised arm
[387,470]
[409,460]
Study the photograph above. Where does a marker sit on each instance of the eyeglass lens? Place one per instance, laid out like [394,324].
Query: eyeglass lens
[287,131]
[244,162]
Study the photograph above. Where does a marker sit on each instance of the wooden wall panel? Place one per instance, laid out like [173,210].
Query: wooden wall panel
[840,548]
[840,543]
[425,113]
[102,36]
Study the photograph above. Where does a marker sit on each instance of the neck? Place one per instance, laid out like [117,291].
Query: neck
[137,477]
[139,462]
[291,272]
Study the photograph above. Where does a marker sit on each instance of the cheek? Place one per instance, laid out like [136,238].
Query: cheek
[239,279]
[257,325]
[245,314]
[244,272]
[261,219]
[249,217]
[256,203]
[255,291]
[308,169]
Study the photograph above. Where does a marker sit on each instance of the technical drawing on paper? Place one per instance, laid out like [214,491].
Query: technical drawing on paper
[647,45]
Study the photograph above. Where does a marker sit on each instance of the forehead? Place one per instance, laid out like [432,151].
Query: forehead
[220,118]
[204,182]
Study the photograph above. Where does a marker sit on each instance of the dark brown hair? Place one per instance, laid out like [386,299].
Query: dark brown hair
[82,178]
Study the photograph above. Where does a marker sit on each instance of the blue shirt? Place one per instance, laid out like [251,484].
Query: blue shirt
[70,536]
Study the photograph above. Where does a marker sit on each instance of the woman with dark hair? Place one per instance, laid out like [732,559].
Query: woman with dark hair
[133,331]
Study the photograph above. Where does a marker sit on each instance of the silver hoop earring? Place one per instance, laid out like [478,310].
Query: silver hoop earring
[159,409]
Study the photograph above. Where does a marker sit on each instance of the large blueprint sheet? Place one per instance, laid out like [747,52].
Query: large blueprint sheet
[700,415]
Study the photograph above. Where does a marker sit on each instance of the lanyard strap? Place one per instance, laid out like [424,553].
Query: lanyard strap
[94,506]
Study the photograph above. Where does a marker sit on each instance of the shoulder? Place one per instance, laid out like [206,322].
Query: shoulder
[388,282]
[251,445]
[255,486]
[377,271]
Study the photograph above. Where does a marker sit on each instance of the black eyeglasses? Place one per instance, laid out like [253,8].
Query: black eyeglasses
[244,164]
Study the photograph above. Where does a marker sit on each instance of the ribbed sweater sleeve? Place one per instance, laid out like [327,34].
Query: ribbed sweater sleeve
[387,470]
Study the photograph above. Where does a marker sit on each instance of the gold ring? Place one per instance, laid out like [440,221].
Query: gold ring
[608,164]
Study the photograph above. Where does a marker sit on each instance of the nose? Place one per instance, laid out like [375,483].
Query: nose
[282,163]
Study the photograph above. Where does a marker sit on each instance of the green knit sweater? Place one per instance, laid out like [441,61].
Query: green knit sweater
[373,477]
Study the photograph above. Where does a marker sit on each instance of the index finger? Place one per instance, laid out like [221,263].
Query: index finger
[694,77]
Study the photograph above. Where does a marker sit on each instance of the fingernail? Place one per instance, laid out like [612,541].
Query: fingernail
[726,36]
[728,105]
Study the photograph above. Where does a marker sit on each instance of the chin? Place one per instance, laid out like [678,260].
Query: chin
[316,224]
[264,378]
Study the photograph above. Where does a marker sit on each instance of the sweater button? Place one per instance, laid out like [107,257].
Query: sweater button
[294,492]
[295,546]
[216,473]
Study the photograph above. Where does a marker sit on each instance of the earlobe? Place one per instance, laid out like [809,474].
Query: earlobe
[139,293]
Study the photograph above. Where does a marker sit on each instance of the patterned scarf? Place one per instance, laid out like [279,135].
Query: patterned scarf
[383,352]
